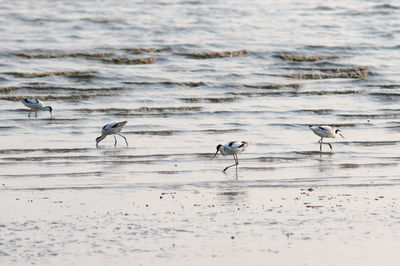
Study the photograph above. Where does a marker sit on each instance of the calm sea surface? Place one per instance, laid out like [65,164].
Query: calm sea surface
[188,75]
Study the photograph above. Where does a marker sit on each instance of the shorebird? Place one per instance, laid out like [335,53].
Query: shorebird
[112,129]
[36,105]
[231,148]
[325,132]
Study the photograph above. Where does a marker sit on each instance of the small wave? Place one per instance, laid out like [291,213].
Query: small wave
[384,86]
[146,50]
[276,159]
[68,159]
[349,165]
[275,86]
[153,132]
[7,127]
[207,55]
[330,48]
[104,20]
[301,58]
[73,97]
[61,55]
[368,13]
[387,6]
[8,89]
[312,153]
[370,116]
[368,165]
[69,74]
[46,150]
[385,94]
[329,92]
[278,93]
[179,83]
[209,100]
[221,131]
[126,111]
[356,69]
[345,75]
[315,111]
[324,8]
[125,60]
[372,143]
[53,88]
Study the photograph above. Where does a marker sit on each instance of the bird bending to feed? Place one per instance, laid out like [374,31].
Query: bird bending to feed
[231,148]
[36,105]
[112,129]
[325,132]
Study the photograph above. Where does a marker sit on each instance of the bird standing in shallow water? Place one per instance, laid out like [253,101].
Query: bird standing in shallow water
[232,148]
[36,105]
[112,129]
[325,132]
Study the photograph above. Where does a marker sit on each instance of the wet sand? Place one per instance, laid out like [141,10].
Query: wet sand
[225,223]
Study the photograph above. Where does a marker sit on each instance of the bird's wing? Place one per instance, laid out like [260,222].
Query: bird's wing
[236,144]
[325,128]
[115,126]
[232,143]
[31,101]
[109,126]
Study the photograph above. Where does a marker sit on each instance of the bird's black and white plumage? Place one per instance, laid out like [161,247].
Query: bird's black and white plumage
[325,132]
[35,106]
[112,129]
[232,148]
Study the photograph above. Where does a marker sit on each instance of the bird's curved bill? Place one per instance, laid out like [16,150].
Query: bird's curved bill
[341,135]
[215,155]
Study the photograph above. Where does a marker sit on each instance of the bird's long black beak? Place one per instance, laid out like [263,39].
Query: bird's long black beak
[215,154]
[341,135]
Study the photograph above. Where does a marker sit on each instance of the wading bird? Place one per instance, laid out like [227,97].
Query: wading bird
[112,129]
[231,148]
[36,105]
[325,132]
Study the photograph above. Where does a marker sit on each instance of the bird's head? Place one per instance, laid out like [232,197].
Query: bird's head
[338,132]
[98,139]
[49,108]
[218,149]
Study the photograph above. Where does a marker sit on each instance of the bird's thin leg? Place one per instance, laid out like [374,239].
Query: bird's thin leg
[29,115]
[124,139]
[326,143]
[115,138]
[320,144]
[235,164]
[36,114]
[237,161]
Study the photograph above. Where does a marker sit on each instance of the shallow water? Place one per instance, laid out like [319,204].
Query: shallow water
[188,75]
